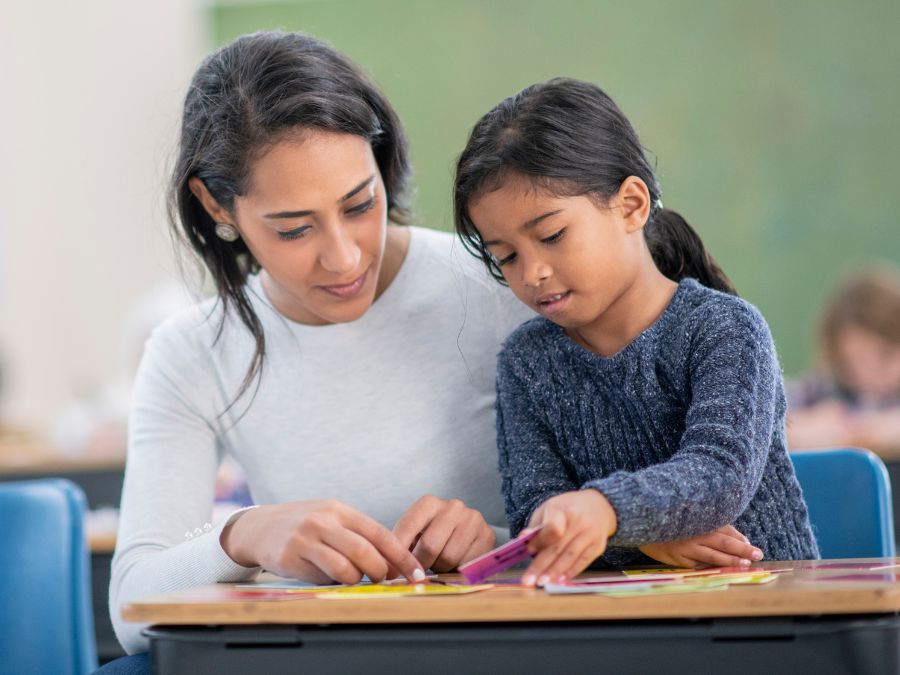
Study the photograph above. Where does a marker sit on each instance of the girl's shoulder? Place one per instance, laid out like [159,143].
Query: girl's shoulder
[706,310]
[530,339]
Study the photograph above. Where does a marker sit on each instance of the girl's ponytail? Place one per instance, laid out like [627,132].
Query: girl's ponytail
[678,252]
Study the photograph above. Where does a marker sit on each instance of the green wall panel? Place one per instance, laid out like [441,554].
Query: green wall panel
[774,124]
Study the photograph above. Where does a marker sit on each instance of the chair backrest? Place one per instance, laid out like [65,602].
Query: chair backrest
[848,493]
[46,624]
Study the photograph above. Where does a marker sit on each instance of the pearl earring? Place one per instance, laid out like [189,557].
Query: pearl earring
[227,232]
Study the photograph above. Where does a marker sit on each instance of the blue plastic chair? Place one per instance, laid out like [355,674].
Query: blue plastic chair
[848,493]
[46,624]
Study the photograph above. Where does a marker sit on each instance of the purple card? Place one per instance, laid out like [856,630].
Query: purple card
[501,558]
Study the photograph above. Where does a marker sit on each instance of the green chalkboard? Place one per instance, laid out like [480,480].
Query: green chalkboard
[774,124]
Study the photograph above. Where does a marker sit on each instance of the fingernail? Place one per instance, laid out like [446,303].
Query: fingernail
[744,562]
[544,580]
[562,579]
[757,554]
[418,574]
[528,580]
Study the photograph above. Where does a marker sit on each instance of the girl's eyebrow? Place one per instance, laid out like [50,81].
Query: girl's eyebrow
[528,224]
[302,213]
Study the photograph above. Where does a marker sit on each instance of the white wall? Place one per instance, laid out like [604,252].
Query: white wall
[89,100]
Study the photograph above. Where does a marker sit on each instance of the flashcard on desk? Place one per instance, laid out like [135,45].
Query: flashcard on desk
[501,558]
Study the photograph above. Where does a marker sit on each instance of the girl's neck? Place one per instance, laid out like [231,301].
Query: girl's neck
[636,309]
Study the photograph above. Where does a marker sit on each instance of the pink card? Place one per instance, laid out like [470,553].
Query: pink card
[501,558]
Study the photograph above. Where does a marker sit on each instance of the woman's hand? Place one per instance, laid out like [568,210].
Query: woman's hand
[443,533]
[317,541]
[576,528]
[725,547]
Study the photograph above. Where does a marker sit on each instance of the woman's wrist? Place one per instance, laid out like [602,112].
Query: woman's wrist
[234,536]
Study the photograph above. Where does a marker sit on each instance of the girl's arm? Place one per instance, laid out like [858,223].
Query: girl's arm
[735,386]
[531,467]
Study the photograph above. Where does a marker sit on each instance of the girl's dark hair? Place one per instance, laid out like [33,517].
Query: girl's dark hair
[571,139]
[247,96]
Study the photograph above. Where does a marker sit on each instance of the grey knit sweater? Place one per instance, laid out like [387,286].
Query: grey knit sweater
[683,430]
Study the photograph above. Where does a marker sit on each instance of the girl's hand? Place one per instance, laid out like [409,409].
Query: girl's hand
[576,527]
[443,533]
[725,547]
[317,541]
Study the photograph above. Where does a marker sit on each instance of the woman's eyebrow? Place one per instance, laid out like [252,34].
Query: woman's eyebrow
[302,213]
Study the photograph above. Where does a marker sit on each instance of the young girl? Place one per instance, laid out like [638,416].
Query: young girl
[853,397]
[646,405]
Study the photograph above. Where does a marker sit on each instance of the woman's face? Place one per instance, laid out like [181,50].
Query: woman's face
[869,364]
[315,218]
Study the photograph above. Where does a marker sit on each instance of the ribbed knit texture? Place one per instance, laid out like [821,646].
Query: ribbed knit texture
[683,430]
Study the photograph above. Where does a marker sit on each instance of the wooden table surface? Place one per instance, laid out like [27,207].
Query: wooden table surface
[799,592]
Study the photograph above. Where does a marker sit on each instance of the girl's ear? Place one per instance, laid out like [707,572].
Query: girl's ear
[633,198]
[215,211]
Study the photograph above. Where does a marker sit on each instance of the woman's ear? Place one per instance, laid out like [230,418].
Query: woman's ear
[215,211]
[633,198]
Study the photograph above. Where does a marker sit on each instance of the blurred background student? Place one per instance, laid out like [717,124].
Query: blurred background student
[852,398]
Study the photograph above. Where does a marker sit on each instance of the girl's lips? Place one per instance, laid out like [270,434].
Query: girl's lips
[553,302]
[345,291]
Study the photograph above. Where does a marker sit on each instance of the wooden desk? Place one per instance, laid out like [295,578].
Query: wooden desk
[796,624]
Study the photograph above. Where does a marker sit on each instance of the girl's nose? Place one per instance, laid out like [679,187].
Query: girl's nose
[341,254]
[535,272]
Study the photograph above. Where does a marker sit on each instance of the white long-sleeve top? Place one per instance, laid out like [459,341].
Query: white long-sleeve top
[374,413]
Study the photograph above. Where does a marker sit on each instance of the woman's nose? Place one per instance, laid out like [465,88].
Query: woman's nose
[341,254]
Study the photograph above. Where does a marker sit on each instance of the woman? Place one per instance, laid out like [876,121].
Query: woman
[347,362]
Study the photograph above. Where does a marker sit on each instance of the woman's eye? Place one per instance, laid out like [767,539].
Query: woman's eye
[555,237]
[293,234]
[362,208]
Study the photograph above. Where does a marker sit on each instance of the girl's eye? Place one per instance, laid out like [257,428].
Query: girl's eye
[504,261]
[553,238]
[293,234]
[361,208]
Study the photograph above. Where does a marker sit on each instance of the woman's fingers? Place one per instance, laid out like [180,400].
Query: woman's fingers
[333,564]
[394,553]
[412,523]
[359,552]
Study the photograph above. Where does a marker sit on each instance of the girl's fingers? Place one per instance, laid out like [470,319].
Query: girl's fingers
[731,531]
[584,550]
[537,572]
[710,556]
[731,546]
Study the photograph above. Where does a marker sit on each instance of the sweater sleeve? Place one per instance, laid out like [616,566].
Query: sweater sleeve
[532,469]
[169,486]
[711,478]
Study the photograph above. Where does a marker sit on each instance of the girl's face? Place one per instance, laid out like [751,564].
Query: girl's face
[568,258]
[315,218]
[869,364]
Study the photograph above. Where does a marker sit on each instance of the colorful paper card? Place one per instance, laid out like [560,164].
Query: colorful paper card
[382,591]
[501,558]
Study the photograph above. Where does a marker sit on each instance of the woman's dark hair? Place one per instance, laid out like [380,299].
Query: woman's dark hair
[571,139]
[244,98]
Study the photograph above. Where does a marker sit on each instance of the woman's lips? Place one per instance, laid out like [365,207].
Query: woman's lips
[345,291]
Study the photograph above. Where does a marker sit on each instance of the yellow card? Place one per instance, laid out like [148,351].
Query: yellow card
[382,591]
